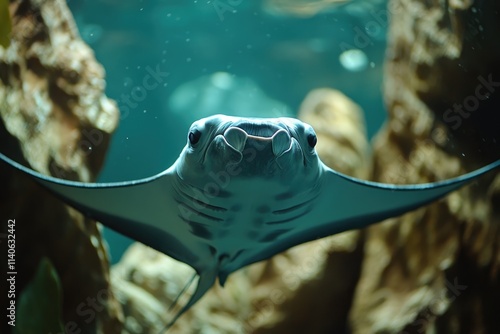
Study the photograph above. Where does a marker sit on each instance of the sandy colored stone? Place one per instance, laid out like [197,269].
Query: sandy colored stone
[299,290]
[56,119]
[436,270]
[340,125]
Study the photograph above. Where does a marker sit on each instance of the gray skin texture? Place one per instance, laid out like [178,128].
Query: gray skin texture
[241,191]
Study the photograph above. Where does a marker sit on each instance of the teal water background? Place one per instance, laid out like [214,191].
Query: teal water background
[284,55]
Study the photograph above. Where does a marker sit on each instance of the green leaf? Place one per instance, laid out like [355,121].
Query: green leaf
[39,305]
[5,24]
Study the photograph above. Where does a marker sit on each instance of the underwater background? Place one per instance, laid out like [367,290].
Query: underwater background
[169,63]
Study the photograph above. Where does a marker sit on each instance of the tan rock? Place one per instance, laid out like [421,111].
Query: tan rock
[56,118]
[340,125]
[435,269]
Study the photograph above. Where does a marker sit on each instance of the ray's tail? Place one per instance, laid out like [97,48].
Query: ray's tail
[205,282]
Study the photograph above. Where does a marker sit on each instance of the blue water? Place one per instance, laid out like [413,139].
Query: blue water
[283,55]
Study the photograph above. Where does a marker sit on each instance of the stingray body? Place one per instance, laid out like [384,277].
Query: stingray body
[241,191]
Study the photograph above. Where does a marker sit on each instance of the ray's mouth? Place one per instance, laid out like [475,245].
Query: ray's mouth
[240,134]
[258,129]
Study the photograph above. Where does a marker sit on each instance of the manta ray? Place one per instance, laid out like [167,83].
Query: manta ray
[241,191]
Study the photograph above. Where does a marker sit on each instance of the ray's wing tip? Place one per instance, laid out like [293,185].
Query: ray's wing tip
[458,180]
[51,180]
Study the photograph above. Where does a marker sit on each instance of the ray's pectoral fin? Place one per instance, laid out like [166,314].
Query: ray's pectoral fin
[348,203]
[144,210]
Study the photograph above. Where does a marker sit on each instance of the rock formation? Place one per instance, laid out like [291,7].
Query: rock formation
[437,270]
[57,120]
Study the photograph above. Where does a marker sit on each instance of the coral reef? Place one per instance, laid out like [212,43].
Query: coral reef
[56,118]
[266,297]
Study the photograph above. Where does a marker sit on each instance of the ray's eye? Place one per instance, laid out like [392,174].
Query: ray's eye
[312,140]
[194,137]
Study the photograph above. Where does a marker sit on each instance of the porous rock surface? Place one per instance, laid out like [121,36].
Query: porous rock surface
[437,270]
[56,119]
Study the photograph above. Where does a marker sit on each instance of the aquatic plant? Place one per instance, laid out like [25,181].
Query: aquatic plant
[5,24]
[39,305]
